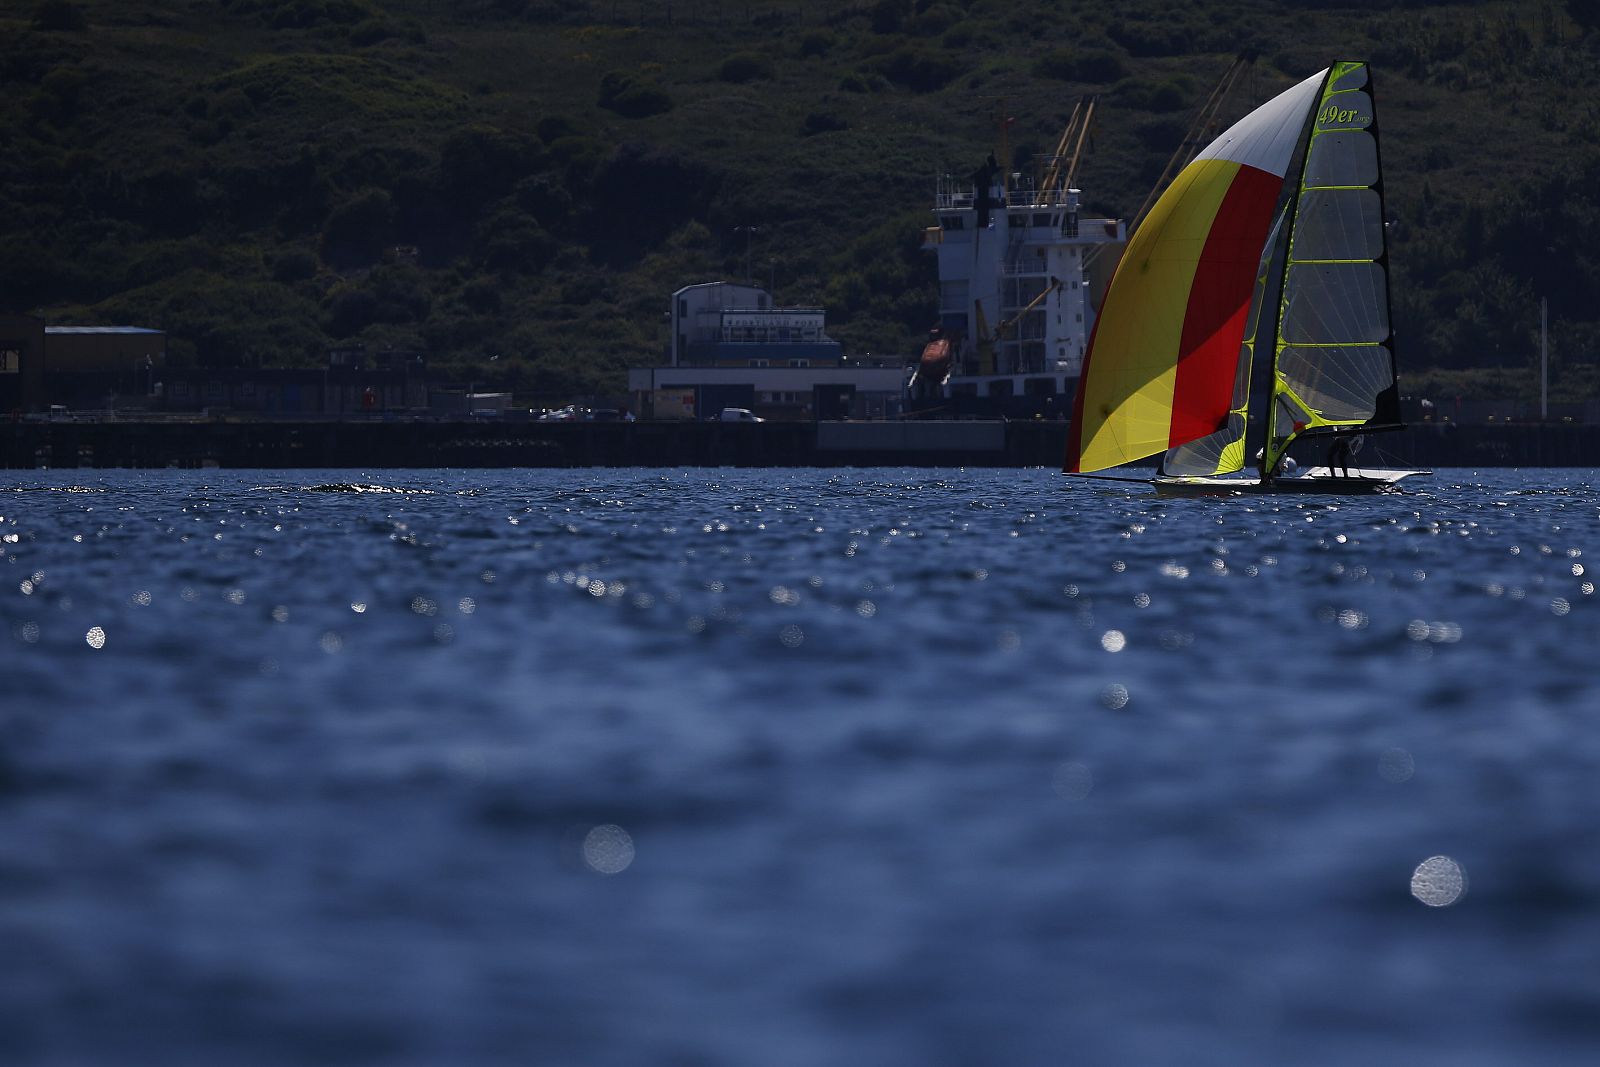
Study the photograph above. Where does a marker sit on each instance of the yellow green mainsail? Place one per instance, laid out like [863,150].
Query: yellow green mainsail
[1333,365]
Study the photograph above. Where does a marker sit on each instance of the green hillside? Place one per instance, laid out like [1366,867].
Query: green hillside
[514,186]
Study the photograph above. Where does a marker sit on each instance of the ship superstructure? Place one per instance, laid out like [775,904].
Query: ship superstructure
[1018,264]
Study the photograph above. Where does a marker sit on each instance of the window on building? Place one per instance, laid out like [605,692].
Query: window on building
[950,222]
[683,306]
[799,363]
[759,363]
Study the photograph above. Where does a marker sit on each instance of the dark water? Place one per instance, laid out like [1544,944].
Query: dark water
[795,768]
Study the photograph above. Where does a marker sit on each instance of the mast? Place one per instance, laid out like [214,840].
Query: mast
[1544,358]
[1270,457]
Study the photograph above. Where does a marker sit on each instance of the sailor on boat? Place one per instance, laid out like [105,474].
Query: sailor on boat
[1286,464]
[1344,446]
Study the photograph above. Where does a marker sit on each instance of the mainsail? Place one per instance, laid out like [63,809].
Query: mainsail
[1334,355]
[1163,362]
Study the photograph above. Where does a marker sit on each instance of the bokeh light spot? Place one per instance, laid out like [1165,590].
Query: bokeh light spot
[1438,881]
[95,638]
[608,849]
[1396,765]
[1074,781]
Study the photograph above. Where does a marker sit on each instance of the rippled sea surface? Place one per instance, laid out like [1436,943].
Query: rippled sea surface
[795,767]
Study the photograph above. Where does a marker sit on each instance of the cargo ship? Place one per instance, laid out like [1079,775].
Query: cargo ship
[1020,267]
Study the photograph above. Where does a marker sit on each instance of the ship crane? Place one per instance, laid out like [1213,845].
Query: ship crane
[986,340]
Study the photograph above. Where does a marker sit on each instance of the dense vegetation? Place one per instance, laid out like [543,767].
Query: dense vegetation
[514,186]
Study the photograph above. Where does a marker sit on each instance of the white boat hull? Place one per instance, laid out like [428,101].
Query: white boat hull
[1311,480]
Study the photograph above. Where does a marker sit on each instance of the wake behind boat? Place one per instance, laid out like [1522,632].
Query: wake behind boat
[1169,367]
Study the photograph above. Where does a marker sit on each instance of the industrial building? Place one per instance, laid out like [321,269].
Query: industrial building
[731,346]
[21,363]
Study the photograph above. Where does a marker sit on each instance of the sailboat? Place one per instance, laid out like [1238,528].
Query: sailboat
[1235,260]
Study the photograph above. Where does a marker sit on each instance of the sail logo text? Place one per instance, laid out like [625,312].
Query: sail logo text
[1337,116]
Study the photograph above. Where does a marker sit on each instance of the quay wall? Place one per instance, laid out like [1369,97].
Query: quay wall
[386,443]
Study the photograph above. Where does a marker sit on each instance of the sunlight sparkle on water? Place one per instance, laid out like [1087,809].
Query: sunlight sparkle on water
[1396,765]
[1074,781]
[1438,881]
[608,849]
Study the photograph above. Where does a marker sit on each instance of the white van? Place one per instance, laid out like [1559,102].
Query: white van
[740,415]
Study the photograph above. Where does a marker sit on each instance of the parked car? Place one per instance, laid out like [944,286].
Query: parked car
[570,412]
[740,415]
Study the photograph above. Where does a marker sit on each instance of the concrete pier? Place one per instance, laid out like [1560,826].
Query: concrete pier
[396,443]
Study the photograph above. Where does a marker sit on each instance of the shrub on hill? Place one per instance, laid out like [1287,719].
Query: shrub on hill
[744,67]
[1097,65]
[919,68]
[357,231]
[933,21]
[863,81]
[304,14]
[1169,94]
[60,16]
[1165,38]
[623,92]
[816,43]
[294,265]
[823,122]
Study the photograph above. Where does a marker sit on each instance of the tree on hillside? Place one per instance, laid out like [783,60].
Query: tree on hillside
[1586,13]
[62,16]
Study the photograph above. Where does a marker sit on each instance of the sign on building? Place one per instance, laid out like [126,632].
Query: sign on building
[674,403]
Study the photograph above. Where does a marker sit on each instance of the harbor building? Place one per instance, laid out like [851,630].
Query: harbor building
[731,346]
[21,364]
[726,324]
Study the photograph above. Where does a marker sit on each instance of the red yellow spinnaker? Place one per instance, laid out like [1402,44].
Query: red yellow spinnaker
[1161,363]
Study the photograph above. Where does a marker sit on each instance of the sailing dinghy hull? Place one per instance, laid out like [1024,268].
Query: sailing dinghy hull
[1314,480]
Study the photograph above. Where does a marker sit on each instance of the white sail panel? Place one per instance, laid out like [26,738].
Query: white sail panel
[1342,160]
[1267,137]
[1334,303]
[1339,381]
[1339,225]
